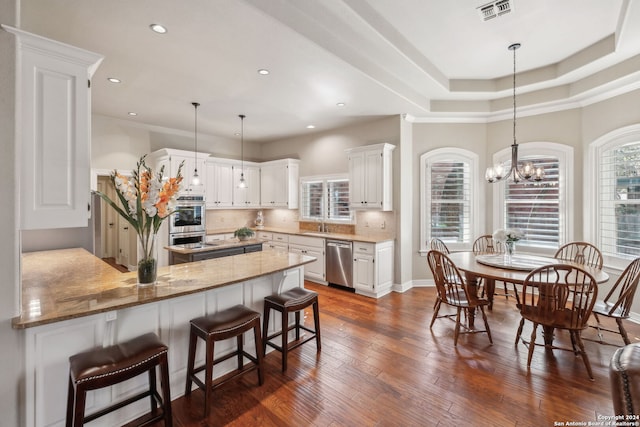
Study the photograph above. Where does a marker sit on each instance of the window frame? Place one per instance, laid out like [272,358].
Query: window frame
[325,208]
[606,142]
[476,192]
[564,153]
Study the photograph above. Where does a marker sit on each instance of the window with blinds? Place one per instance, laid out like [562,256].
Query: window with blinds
[534,208]
[324,199]
[450,201]
[619,200]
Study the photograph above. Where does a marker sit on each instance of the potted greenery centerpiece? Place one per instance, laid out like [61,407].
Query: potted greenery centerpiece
[244,233]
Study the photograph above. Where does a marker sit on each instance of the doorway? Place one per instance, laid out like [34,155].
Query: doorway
[116,234]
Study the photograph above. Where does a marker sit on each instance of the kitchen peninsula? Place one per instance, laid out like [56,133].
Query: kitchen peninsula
[73,301]
[191,252]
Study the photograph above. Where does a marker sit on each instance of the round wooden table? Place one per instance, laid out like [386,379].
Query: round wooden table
[492,267]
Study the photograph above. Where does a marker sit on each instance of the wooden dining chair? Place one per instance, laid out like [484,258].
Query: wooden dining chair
[557,296]
[438,245]
[453,291]
[485,244]
[581,253]
[617,303]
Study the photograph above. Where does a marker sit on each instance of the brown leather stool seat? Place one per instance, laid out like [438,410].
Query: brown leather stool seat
[225,324]
[292,301]
[107,366]
[624,372]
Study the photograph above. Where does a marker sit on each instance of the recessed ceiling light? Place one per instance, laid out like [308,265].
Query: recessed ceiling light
[114,80]
[160,29]
[132,113]
[341,104]
[263,71]
[311,127]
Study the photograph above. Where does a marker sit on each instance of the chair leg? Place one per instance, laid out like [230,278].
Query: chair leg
[519,333]
[532,344]
[166,392]
[240,351]
[297,316]
[208,380]
[583,353]
[190,362]
[316,322]
[153,388]
[265,327]
[623,332]
[285,338]
[435,312]
[259,351]
[486,324]
[70,400]
[456,333]
[78,410]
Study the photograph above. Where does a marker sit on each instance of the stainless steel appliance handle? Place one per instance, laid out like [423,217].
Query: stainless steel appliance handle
[338,244]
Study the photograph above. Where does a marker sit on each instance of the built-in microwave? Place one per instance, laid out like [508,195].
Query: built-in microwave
[189,216]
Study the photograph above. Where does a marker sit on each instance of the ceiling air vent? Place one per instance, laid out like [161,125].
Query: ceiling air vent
[494,9]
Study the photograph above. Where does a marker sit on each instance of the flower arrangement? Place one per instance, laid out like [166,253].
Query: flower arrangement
[508,235]
[148,199]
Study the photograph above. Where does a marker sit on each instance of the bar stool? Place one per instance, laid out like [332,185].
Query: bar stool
[292,301]
[225,324]
[107,366]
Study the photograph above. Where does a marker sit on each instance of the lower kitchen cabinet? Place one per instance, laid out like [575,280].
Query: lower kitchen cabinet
[373,268]
[312,246]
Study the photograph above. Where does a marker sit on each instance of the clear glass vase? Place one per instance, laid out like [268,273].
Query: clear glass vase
[509,250]
[147,260]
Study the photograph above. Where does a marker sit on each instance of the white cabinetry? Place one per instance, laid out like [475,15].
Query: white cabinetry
[370,177]
[373,268]
[219,183]
[275,241]
[248,197]
[210,238]
[279,184]
[172,159]
[54,126]
[312,246]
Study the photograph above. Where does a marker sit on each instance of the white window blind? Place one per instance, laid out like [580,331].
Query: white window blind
[450,201]
[619,200]
[324,199]
[534,208]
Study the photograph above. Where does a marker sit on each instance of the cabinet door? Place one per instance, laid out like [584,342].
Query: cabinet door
[363,272]
[316,269]
[357,180]
[55,132]
[188,169]
[373,179]
[219,182]
[250,195]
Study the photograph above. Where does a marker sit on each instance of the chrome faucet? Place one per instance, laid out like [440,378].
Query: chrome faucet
[323,227]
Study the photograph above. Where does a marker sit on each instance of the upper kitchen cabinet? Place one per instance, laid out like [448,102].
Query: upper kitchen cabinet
[370,177]
[249,196]
[219,183]
[171,160]
[279,183]
[54,97]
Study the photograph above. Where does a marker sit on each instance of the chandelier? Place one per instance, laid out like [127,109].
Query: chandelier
[516,173]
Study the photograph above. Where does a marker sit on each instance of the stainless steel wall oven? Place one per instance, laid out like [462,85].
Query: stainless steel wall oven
[189,217]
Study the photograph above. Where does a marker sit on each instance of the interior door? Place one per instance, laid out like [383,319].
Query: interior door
[108,219]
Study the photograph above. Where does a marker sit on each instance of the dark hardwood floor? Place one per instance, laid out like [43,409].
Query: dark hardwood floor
[381,365]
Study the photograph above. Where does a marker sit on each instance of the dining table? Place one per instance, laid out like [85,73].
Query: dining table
[492,267]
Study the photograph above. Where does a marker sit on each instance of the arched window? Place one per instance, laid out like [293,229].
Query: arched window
[612,194]
[449,197]
[540,210]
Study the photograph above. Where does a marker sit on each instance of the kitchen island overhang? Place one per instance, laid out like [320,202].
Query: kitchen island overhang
[73,301]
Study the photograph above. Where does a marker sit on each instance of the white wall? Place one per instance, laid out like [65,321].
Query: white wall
[11,355]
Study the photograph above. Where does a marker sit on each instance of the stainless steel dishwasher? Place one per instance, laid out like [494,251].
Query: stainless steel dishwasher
[339,264]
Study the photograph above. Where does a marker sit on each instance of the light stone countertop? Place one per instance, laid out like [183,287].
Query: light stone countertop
[69,283]
[378,238]
[192,248]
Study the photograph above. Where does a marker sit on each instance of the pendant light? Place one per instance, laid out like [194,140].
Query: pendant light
[516,173]
[195,180]
[242,183]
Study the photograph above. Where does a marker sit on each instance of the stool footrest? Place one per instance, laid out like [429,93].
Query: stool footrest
[126,402]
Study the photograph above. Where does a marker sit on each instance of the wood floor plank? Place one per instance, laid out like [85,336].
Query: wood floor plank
[381,365]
